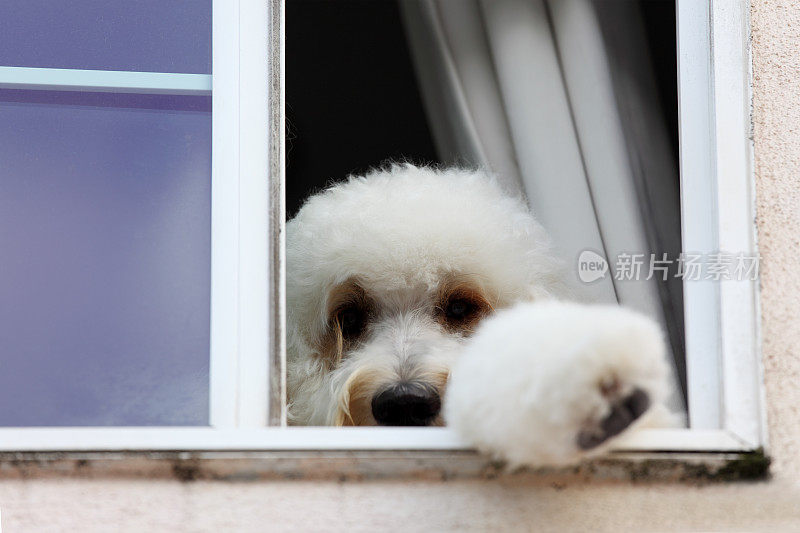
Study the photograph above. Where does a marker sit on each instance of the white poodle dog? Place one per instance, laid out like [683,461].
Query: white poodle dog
[423,297]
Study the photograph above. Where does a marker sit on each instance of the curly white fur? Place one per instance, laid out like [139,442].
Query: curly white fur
[534,375]
[525,384]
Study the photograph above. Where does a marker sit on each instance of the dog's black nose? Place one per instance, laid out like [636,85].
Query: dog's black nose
[406,404]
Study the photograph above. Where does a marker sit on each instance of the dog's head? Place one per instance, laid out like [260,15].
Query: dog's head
[387,276]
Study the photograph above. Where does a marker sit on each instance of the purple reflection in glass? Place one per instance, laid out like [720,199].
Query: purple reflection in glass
[104,259]
[144,35]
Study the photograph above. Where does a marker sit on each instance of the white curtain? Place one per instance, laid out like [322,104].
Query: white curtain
[534,91]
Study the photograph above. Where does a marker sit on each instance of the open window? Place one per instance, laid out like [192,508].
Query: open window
[143,201]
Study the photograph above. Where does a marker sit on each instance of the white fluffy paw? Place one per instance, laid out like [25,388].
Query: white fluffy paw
[549,383]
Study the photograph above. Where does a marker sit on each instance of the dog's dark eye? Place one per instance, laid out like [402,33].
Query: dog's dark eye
[459,309]
[351,320]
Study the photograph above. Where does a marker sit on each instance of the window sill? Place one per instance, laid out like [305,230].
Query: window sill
[693,468]
[352,453]
[189,453]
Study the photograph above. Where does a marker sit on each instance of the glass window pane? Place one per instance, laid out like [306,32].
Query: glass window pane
[104,259]
[145,35]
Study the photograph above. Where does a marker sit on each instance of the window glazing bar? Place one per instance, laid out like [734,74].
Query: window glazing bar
[56,79]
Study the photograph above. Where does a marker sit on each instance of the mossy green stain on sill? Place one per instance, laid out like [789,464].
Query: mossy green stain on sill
[747,466]
[751,466]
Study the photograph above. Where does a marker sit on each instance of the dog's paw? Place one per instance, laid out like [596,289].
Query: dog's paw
[625,410]
[549,383]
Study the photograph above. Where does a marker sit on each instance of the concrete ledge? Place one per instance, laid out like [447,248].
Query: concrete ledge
[694,468]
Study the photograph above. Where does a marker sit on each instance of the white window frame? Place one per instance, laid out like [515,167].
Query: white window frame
[247,410]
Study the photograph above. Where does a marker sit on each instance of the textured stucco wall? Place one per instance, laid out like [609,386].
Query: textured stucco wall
[431,507]
[509,504]
[776,72]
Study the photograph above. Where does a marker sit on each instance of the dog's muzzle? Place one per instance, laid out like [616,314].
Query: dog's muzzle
[406,404]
